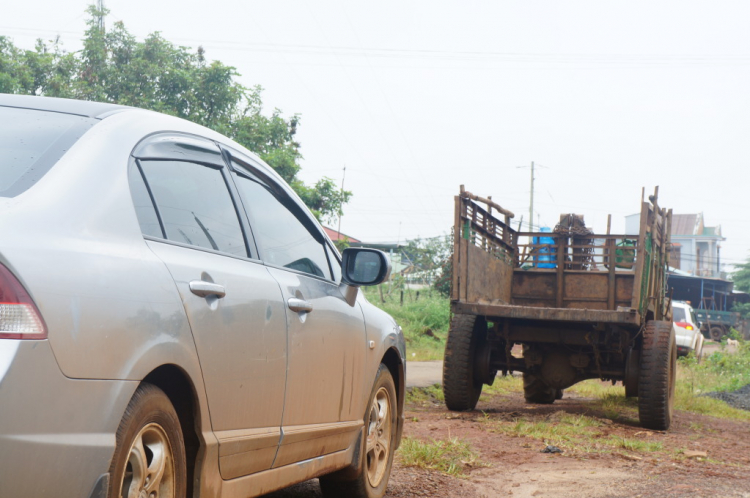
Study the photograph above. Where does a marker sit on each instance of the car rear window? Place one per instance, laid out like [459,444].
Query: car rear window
[31,142]
[678,314]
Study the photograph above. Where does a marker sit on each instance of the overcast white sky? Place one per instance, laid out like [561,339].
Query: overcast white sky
[418,97]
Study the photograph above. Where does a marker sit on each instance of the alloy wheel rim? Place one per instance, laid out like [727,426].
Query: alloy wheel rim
[379,432]
[149,469]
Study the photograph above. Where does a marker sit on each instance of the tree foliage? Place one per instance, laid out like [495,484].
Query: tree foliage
[155,74]
[741,277]
[429,258]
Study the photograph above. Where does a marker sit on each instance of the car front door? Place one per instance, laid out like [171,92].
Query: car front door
[233,304]
[325,373]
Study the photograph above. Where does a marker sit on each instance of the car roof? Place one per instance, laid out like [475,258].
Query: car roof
[98,110]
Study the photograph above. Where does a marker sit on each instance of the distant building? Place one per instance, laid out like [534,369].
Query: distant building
[696,248]
[336,236]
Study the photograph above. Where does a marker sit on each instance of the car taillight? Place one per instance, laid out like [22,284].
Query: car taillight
[684,325]
[19,316]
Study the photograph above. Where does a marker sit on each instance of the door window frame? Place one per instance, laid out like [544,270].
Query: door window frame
[164,147]
[255,172]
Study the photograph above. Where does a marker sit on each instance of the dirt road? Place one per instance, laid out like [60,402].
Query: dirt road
[699,456]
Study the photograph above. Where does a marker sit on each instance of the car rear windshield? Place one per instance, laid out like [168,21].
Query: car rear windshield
[678,314]
[31,142]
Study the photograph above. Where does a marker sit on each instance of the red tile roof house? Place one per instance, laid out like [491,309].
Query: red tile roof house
[336,236]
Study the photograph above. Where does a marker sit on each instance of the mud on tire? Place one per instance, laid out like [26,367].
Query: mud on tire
[656,378]
[460,386]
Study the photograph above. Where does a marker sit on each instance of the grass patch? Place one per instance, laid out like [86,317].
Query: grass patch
[609,399]
[631,444]
[451,456]
[720,371]
[560,428]
[424,395]
[507,384]
[424,320]
[574,434]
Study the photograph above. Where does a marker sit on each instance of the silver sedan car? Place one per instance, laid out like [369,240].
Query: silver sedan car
[173,320]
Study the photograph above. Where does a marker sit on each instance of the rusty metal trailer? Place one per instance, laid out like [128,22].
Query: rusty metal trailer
[581,305]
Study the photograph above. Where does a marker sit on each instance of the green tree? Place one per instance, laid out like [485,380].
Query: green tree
[741,276]
[155,74]
[428,256]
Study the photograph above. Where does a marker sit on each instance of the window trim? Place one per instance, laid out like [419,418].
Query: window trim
[135,163]
[203,249]
[276,189]
[251,252]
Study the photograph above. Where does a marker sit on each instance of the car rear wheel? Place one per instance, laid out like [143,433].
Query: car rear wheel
[381,422]
[149,458]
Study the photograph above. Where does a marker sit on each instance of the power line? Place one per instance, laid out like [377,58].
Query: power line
[479,56]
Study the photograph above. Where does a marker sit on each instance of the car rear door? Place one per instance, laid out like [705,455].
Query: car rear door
[233,304]
[323,410]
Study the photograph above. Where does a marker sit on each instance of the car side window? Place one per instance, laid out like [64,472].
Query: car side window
[281,237]
[144,207]
[195,205]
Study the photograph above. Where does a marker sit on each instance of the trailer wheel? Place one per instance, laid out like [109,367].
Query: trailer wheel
[716,333]
[656,378]
[461,388]
[536,391]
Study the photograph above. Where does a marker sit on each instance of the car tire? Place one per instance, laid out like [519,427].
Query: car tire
[149,457]
[461,388]
[537,391]
[656,378]
[379,444]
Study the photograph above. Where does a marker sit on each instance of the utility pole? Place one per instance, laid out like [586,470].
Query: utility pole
[100,7]
[531,202]
[531,199]
[341,207]
[531,196]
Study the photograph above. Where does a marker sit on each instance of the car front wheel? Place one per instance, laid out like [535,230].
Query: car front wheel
[149,458]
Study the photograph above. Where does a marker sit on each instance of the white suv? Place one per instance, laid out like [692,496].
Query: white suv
[686,329]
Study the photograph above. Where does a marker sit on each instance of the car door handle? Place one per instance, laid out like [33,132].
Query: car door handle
[204,289]
[299,305]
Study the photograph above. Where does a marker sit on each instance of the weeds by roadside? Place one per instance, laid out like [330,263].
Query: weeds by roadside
[450,456]
[424,395]
[424,321]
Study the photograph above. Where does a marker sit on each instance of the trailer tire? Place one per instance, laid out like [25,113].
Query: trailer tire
[461,388]
[716,333]
[537,391]
[656,378]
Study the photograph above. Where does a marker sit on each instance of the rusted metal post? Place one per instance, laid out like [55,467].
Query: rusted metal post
[562,243]
[456,263]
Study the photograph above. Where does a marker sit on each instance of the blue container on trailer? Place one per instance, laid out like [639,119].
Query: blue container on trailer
[545,255]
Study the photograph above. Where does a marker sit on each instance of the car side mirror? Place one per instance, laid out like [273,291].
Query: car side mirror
[362,266]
